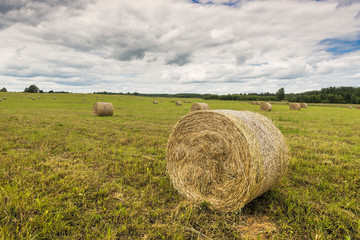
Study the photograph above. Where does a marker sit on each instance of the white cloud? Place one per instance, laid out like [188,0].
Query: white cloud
[176,45]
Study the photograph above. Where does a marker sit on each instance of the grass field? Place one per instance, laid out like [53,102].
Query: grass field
[66,174]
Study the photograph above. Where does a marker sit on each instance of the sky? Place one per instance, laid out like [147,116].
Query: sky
[179,46]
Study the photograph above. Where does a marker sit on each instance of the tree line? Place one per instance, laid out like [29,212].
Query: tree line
[325,95]
[349,95]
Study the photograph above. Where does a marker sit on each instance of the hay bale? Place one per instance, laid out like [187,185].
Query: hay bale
[103,109]
[199,107]
[155,102]
[294,106]
[178,103]
[84,99]
[4,98]
[357,107]
[303,105]
[54,98]
[0,100]
[265,106]
[350,107]
[33,98]
[225,157]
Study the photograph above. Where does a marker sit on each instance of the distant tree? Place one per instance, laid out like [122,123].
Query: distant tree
[3,90]
[32,89]
[280,94]
[51,91]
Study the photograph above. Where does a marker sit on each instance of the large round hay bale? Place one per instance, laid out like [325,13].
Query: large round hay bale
[155,102]
[178,103]
[294,106]
[225,157]
[103,109]
[303,105]
[199,107]
[265,106]
[357,107]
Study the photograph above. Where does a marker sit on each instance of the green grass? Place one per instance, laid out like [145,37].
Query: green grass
[66,174]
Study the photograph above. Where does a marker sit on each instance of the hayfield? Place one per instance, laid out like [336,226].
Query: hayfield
[67,174]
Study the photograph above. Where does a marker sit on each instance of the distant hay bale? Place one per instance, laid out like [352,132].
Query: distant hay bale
[357,107]
[38,97]
[103,109]
[303,105]
[178,103]
[225,157]
[33,98]
[294,106]
[199,107]
[349,106]
[54,98]
[155,102]
[84,99]
[189,101]
[255,103]
[4,98]
[265,106]
[0,99]
[185,101]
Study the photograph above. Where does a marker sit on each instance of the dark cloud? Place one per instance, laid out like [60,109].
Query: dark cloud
[179,59]
[128,54]
[33,12]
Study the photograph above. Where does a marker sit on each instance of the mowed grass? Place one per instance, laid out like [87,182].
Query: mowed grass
[67,174]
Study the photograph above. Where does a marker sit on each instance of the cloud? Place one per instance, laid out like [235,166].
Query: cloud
[177,45]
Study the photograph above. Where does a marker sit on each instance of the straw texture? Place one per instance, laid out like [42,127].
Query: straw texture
[265,106]
[225,157]
[294,106]
[303,105]
[103,109]
[199,107]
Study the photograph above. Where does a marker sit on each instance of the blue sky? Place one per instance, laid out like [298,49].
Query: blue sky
[338,46]
[173,46]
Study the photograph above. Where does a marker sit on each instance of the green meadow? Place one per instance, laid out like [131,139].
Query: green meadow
[67,174]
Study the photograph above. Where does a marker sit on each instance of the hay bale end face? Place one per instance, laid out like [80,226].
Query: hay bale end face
[225,157]
[265,107]
[103,109]
[303,105]
[199,107]
[178,103]
[294,106]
